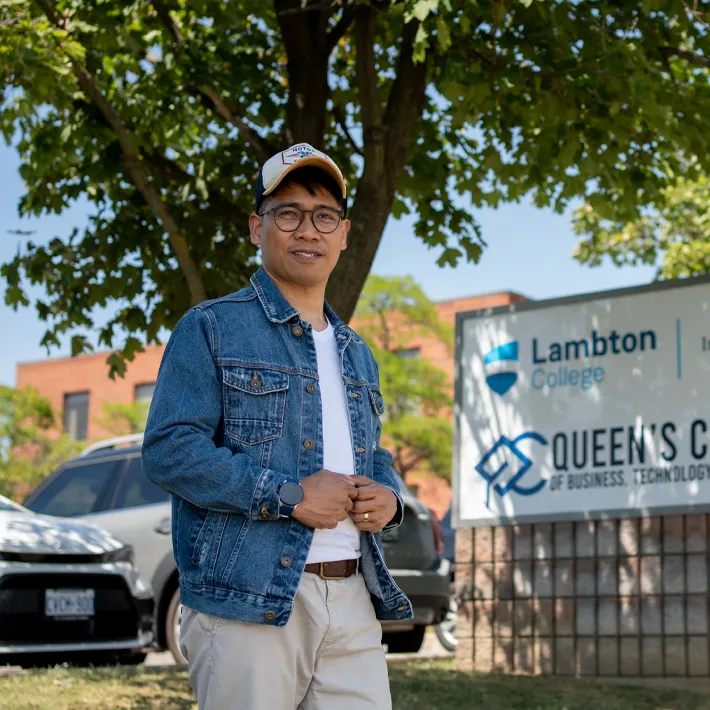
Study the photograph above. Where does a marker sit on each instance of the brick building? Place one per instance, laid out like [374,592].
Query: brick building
[79,387]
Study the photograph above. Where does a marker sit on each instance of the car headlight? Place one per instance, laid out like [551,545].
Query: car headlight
[123,554]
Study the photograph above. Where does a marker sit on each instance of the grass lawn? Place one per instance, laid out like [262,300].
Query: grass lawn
[418,685]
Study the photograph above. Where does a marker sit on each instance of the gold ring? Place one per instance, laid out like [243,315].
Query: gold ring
[367,516]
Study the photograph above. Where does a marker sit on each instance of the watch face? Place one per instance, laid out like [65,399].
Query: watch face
[291,493]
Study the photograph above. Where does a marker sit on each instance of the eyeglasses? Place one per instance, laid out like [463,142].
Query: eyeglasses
[289,218]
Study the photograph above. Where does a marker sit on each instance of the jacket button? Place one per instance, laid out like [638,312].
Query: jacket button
[309,444]
[361,450]
[270,616]
[264,512]
[297,331]
[310,388]
[355,395]
[286,561]
[401,608]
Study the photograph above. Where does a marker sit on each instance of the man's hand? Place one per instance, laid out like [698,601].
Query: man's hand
[375,501]
[327,499]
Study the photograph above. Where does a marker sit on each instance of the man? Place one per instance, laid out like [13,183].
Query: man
[265,427]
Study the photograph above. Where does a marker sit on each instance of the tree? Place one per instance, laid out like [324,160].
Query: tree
[31,444]
[675,235]
[121,419]
[159,114]
[393,313]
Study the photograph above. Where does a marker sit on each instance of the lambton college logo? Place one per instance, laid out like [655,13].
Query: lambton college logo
[501,364]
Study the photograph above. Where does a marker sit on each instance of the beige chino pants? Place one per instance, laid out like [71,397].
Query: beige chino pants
[328,657]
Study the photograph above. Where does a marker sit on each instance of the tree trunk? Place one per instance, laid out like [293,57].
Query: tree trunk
[388,130]
[308,86]
[369,217]
[304,29]
[388,138]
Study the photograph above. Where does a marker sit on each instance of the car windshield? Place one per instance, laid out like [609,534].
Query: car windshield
[9,506]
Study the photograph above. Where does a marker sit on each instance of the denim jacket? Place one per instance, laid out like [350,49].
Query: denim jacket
[236,412]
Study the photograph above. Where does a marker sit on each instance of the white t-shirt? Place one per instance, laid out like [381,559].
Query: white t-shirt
[343,542]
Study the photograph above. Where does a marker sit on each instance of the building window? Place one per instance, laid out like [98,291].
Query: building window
[144,392]
[76,415]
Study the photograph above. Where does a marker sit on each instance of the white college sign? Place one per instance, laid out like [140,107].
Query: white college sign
[584,407]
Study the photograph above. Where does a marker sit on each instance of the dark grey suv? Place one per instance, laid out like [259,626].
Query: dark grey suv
[106,486]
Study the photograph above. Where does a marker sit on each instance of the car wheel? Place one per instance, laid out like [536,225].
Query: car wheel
[446,629]
[172,628]
[404,641]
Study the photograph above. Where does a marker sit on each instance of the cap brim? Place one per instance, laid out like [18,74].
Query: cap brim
[315,161]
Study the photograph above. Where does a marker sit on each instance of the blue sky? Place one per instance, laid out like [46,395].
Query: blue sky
[529,251]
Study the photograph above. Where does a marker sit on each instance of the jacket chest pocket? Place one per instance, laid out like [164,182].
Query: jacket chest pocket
[254,403]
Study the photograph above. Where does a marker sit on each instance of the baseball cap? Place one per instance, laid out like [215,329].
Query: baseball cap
[276,168]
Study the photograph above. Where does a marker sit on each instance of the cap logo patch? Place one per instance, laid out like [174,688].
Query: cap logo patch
[297,152]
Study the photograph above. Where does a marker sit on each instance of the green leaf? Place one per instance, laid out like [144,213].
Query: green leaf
[443,35]
[421,44]
[421,9]
[79,345]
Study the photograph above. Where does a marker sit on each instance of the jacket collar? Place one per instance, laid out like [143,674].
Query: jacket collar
[279,310]
[276,307]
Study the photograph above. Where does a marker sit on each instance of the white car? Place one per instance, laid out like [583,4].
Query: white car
[68,591]
[106,486]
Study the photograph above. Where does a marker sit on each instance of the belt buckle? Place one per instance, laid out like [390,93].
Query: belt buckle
[322,575]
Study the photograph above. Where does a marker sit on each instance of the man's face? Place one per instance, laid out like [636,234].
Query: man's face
[305,257]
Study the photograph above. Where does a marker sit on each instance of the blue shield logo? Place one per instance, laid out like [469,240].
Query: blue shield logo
[501,381]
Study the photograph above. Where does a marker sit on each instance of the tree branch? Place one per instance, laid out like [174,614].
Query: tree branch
[399,463]
[384,324]
[262,148]
[367,81]
[171,171]
[495,66]
[411,463]
[303,26]
[404,104]
[388,140]
[691,57]
[339,116]
[134,168]
[338,32]
[415,459]
[168,22]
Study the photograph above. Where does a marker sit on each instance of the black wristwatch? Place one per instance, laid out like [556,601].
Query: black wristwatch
[290,495]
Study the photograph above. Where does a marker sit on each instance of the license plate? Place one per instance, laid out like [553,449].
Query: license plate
[69,602]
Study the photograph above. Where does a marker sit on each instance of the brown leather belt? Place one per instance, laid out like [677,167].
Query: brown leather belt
[333,570]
